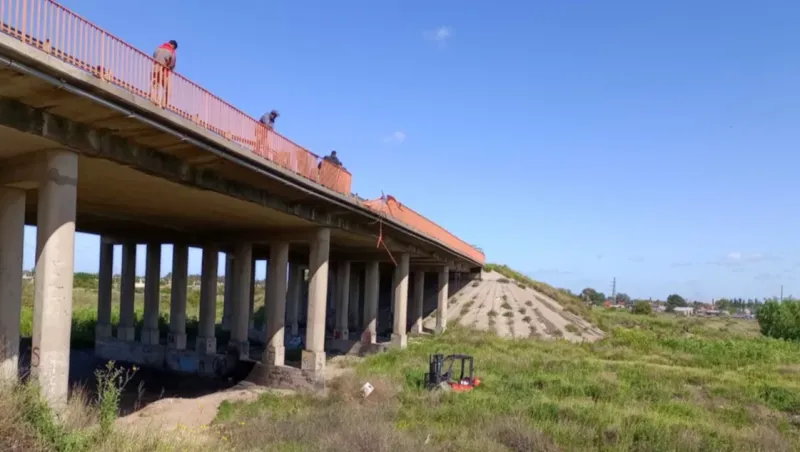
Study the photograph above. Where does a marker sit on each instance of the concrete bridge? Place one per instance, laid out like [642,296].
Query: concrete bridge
[88,143]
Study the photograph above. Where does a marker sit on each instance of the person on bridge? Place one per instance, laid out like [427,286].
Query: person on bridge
[331,158]
[268,119]
[266,123]
[165,60]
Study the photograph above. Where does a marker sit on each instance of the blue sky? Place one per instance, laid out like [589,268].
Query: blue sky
[577,141]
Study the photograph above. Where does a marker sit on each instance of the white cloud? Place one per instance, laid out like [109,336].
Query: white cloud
[734,258]
[440,35]
[396,137]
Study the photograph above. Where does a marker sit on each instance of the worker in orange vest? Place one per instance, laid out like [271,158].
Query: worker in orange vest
[165,60]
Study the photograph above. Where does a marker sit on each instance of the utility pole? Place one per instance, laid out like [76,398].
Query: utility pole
[614,289]
[781,292]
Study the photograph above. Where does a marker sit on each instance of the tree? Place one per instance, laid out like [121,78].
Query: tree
[675,301]
[780,320]
[623,298]
[588,294]
[642,308]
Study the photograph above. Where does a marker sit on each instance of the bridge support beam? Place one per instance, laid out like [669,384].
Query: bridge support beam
[12,232]
[399,336]
[417,302]
[177,308]
[354,302]
[104,286]
[251,321]
[55,257]
[152,295]
[227,302]
[275,304]
[442,300]
[206,336]
[242,269]
[342,300]
[313,357]
[126,329]
[293,297]
[372,276]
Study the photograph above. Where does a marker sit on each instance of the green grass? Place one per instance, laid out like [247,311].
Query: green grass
[84,313]
[657,383]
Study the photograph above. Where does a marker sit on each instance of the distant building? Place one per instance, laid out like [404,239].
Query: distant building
[687,311]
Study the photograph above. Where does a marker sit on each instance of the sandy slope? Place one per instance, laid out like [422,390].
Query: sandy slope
[515,312]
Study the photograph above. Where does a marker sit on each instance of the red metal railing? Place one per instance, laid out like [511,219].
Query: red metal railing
[54,29]
[393,208]
[58,31]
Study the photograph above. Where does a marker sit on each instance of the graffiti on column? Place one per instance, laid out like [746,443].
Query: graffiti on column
[35,357]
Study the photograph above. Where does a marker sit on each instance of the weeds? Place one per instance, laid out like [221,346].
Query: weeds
[111,381]
[506,305]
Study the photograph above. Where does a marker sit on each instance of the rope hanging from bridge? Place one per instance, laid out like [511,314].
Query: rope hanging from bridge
[381,214]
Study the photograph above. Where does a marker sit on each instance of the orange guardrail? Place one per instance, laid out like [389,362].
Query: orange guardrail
[63,34]
[389,206]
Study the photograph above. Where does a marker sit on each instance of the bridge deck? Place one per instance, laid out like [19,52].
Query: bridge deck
[110,68]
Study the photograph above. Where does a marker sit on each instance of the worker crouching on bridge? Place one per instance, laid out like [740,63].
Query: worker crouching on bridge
[264,126]
[165,60]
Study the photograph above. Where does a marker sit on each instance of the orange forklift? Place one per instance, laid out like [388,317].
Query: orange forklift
[440,373]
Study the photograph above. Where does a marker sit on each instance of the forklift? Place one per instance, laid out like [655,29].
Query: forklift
[440,373]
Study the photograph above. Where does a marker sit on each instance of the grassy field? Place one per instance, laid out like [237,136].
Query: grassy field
[84,313]
[657,384]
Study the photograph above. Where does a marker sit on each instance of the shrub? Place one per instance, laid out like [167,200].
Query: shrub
[780,320]
[111,381]
[508,314]
[642,308]
[492,313]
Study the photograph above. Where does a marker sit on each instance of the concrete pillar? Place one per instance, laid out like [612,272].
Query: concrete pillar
[206,336]
[126,330]
[313,357]
[177,305]
[399,337]
[419,299]
[251,321]
[152,294]
[12,232]
[343,300]
[104,287]
[227,300]
[55,258]
[372,276]
[242,269]
[354,301]
[441,307]
[275,304]
[293,296]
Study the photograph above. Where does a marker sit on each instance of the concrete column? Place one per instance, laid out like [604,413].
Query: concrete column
[12,232]
[206,336]
[399,337]
[354,301]
[275,304]
[126,330]
[372,276]
[419,298]
[293,298]
[441,308]
[55,258]
[177,305]
[104,286]
[313,357]
[242,269]
[343,300]
[251,321]
[227,301]
[152,294]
